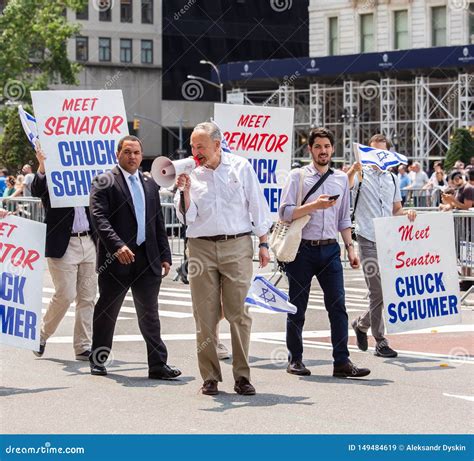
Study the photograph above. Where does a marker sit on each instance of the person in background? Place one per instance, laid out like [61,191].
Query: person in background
[436,184]
[3,180]
[463,199]
[29,176]
[9,186]
[404,180]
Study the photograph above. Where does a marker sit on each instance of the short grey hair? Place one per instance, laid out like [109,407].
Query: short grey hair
[211,129]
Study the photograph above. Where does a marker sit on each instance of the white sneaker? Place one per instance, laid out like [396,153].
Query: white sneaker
[222,352]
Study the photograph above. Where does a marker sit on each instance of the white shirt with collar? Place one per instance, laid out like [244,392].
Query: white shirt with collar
[225,201]
[127,175]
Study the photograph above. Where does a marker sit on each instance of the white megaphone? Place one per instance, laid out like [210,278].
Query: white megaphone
[165,172]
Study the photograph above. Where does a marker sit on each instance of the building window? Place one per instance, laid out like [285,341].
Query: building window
[104,49]
[82,48]
[105,10]
[125,50]
[147,11]
[401,30]
[438,31]
[471,22]
[84,13]
[333,37]
[367,33]
[147,51]
[126,11]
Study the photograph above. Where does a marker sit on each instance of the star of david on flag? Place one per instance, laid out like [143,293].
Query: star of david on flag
[263,294]
[384,159]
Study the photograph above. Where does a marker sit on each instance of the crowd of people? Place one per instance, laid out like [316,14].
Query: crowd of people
[434,188]
[119,242]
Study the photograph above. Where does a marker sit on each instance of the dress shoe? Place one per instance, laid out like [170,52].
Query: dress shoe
[385,351]
[297,368]
[222,352]
[361,337]
[164,372]
[243,387]
[98,370]
[349,370]
[42,347]
[83,356]
[209,387]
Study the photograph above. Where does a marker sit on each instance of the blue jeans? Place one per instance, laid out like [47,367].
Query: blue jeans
[324,262]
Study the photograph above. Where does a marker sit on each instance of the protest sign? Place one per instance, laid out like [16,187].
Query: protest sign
[22,244]
[264,136]
[78,132]
[418,271]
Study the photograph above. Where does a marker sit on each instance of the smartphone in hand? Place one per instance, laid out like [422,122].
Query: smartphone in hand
[333,197]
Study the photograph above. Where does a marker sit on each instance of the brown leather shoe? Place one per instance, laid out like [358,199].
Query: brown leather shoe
[243,387]
[297,368]
[349,370]
[209,387]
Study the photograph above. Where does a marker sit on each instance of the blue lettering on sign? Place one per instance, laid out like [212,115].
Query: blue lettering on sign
[423,308]
[73,183]
[12,288]
[273,198]
[265,169]
[79,153]
[18,322]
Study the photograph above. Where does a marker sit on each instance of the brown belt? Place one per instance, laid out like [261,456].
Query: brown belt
[219,238]
[317,243]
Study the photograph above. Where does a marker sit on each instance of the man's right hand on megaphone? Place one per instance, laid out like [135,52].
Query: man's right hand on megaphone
[183,182]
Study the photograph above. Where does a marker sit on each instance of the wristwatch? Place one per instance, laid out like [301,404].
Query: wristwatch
[263,245]
[347,245]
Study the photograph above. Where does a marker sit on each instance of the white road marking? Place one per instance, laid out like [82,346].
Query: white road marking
[464,397]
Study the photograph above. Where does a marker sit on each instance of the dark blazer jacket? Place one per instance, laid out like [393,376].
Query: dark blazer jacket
[58,220]
[113,218]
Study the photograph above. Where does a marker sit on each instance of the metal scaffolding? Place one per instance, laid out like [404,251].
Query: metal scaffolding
[419,116]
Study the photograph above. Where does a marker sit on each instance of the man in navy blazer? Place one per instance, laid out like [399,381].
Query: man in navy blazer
[133,252]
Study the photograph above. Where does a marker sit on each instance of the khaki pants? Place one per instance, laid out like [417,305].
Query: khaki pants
[221,270]
[74,279]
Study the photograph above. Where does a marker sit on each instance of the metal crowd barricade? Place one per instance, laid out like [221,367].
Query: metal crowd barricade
[464,238]
[26,207]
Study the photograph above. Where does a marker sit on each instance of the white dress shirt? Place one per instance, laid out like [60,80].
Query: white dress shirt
[225,201]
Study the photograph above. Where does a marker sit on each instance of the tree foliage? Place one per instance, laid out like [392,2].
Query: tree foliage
[461,148]
[33,55]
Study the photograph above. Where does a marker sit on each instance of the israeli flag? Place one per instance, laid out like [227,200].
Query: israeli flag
[384,159]
[263,294]
[29,126]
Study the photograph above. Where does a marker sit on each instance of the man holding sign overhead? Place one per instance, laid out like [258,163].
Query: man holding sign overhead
[377,195]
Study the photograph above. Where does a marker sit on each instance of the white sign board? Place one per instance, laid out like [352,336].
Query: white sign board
[418,271]
[78,132]
[22,244]
[263,135]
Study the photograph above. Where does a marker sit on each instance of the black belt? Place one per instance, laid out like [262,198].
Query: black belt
[317,243]
[81,234]
[219,238]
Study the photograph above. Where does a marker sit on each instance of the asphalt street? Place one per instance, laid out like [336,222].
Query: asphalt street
[427,389]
